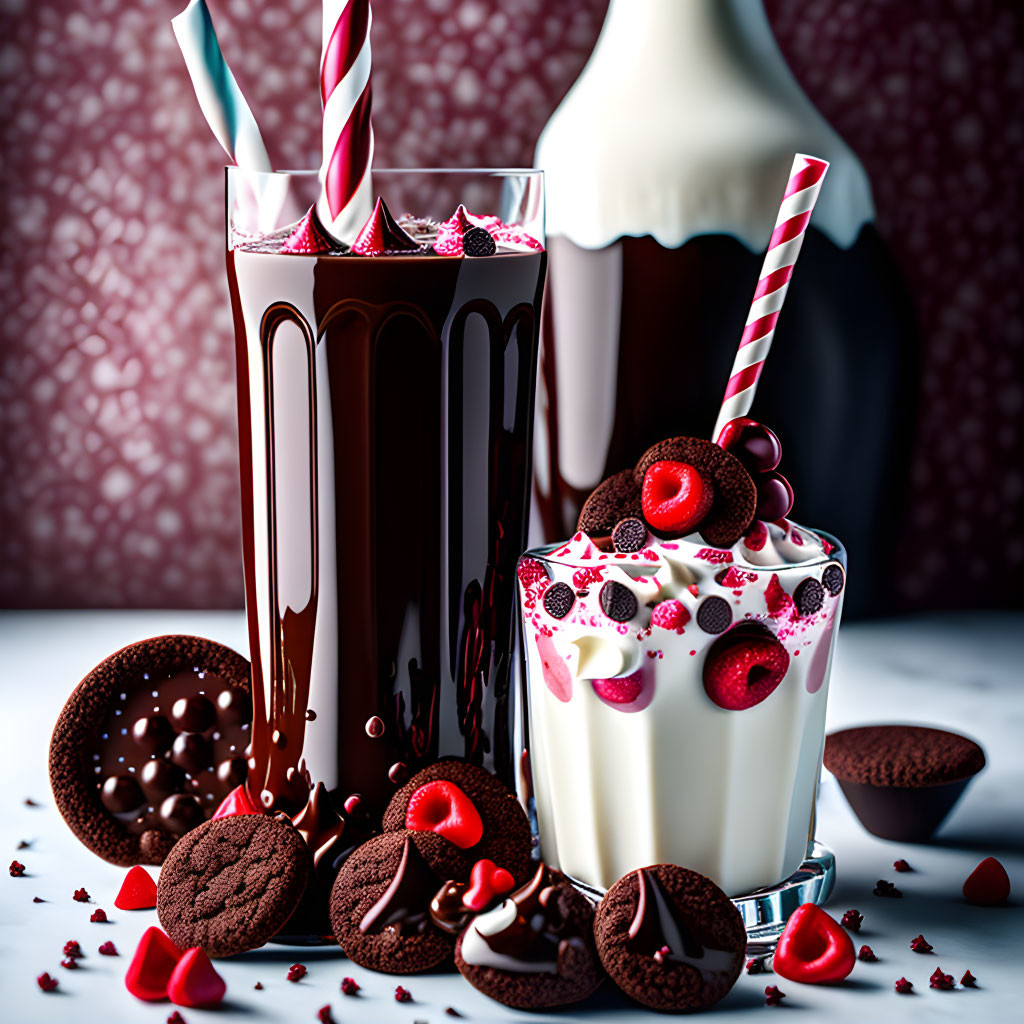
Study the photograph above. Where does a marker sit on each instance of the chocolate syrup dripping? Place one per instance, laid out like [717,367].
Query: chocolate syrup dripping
[657,931]
[405,905]
[447,910]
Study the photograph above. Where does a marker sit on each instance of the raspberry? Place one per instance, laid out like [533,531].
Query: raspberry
[17,869]
[45,982]
[920,945]
[349,986]
[867,954]
[969,980]
[903,986]
[72,948]
[852,920]
[887,889]
[258,986]
[744,667]
[776,599]
[402,995]
[772,995]
[108,949]
[901,865]
[324,1015]
[98,916]
[296,972]
[70,962]
[81,896]
[671,614]
[441,807]
[675,497]
[941,981]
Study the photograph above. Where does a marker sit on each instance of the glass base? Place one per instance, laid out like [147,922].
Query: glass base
[766,911]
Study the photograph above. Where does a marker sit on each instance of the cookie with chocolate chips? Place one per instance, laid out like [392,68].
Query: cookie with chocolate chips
[536,948]
[611,501]
[670,938]
[445,796]
[381,901]
[148,745]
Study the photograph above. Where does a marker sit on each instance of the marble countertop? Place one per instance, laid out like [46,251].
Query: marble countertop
[958,671]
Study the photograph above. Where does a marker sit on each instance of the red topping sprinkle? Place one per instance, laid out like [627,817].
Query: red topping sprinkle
[109,949]
[675,497]
[887,889]
[757,535]
[72,948]
[920,945]
[138,891]
[969,980]
[194,982]
[813,949]
[324,1015]
[441,807]
[773,996]
[903,986]
[296,972]
[941,981]
[583,578]
[901,865]
[17,869]
[349,986]
[530,571]
[867,954]
[487,884]
[69,962]
[734,578]
[671,615]
[714,556]
[45,982]
[175,1018]
[98,916]
[776,599]
[402,995]
[852,919]
[81,896]
[988,885]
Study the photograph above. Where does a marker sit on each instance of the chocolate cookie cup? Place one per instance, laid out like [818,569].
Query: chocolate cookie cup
[149,743]
[902,780]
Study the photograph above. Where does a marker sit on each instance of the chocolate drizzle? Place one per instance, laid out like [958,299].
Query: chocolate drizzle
[657,931]
[447,910]
[405,905]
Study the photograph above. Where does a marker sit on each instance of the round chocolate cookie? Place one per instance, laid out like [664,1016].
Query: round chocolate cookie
[735,500]
[505,837]
[535,949]
[380,903]
[148,745]
[610,502]
[230,884]
[670,938]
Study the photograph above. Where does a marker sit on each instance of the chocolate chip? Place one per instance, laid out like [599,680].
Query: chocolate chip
[478,241]
[192,752]
[193,714]
[180,813]
[629,534]
[153,734]
[232,772]
[834,579]
[558,600]
[618,602]
[714,615]
[121,795]
[809,596]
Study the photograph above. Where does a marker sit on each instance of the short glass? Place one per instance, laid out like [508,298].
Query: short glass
[385,409]
[632,760]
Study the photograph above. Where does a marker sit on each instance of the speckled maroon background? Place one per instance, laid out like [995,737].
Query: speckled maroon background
[118,472]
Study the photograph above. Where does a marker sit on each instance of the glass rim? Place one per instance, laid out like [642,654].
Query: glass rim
[496,172]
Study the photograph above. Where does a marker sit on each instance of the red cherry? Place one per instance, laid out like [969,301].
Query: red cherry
[138,891]
[774,496]
[675,497]
[194,982]
[744,667]
[813,949]
[988,884]
[442,807]
[752,443]
[152,965]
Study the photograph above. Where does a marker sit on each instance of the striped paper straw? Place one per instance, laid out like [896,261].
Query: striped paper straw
[790,229]
[346,196]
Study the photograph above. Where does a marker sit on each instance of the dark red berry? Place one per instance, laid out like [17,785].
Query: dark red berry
[867,954]
[296,972]
[901,865]
[70,962]
[941,981]
[17,869]
[752,443]
[81,896]
[45,982]
[969,980]
[774,496]
[175,1018]
[98,916]
[903,986]
[675,497]
[884,888]
[852,920]
[109,949]
[72,948]
[402,995]
[258,986]
[324,1015]
[920,945]
[772,995]
[349,986]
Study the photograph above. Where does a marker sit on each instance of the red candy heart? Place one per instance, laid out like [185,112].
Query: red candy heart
[443,808]
[236,802]
[486,883]
[988,884]
[813,949]
[194,982]
[138,891]
[152,965]
[675,497]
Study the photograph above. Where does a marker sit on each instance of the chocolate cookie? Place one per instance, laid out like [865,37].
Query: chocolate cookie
[535,949]
[611,501]
[735,500]
[505,834]
[148,745]
[380,903]
[670,938]
[230,884]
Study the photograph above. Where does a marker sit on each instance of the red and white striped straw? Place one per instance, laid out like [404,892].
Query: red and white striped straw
[346,196]
[805,180]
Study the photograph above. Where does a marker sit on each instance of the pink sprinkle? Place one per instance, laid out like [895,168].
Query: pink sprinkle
[716,556]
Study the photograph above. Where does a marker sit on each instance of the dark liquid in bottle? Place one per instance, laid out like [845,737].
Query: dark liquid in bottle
[385,422]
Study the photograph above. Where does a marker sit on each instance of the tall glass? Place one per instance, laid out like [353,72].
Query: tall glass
[385,411]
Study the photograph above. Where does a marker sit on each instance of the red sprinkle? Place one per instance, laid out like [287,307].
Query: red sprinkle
[920,945]
[969,980]
[452,1012]
[349,986]
[402,995]
[754,967]
[866,953]
[772,995]
[296,972]
[258,986]
[98,916]
[109,949]
[17,869]
[175,1018]
[941,981]
[81,896]
[36,899]
[70,962]
[45,982]
[903,986]
[884,888]
[716,556]
[852,920]
[901,865]
[72,948]
[324,1015]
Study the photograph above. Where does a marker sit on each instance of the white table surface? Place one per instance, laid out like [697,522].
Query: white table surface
[962,672]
